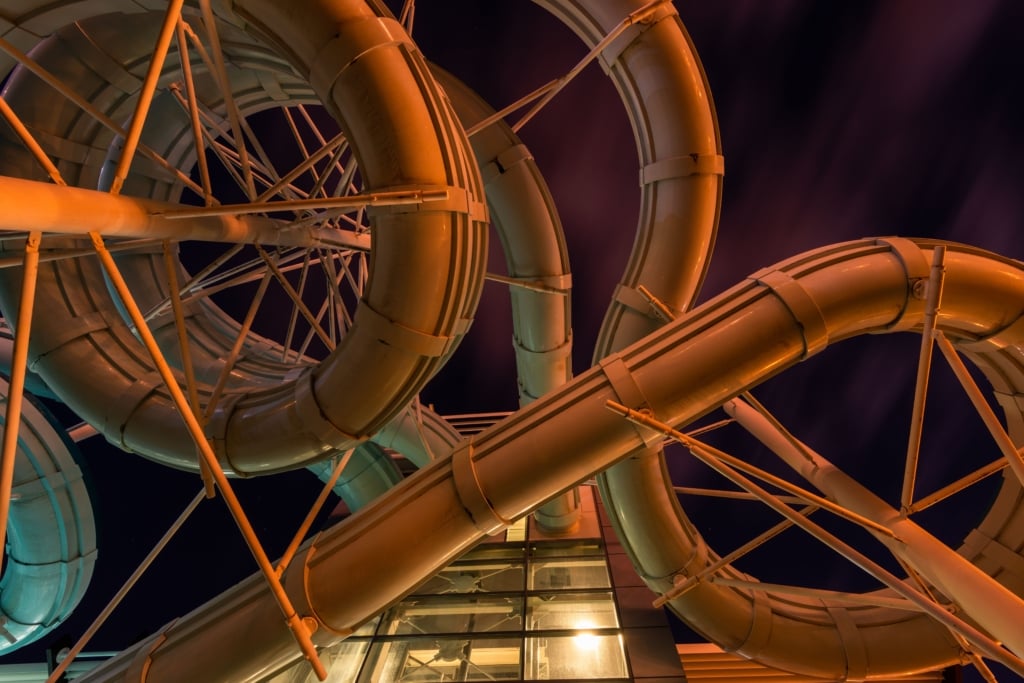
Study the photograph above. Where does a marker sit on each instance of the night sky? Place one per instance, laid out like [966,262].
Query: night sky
[839,121]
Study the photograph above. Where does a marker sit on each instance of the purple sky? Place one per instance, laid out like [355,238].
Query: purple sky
[839,121]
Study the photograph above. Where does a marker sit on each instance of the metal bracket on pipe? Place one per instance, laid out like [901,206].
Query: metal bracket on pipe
[918,271]
[458,200]
[635,300]
[118,411]
[681,585]
[472,495]
[634,30]
[1012,402]
[560,352]
[852,641]
[81,326]
[546,284]
[138,670]
[760,625]
[800,303]
[682,167]
[504,162]
[629,394]
[661,309]
[63,149]
[978,545]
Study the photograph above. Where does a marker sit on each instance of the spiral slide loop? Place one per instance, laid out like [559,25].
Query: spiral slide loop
[427,263]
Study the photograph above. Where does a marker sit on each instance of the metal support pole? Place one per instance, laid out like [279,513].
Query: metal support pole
[545,93]
[395,198]
[193,112]
[29,140]
[976,660]
[751,545]
[532,285]
[33,205]
[19,368]
[979,641]
[988,416]
[221,73]
[308,164]
[408,15]
[194,282]
[63,254]
[293,319]
[959,485]
[802,494]
[95,113]
[299,627]
[296,299]
[170,266]
[989,603]
[156,64]
[328,486]
[236,348]
[23,328]
[732,495]
[933,298]
[123,591]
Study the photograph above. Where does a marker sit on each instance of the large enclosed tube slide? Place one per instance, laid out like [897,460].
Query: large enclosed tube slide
[417,305]
[678,373]
[428,265]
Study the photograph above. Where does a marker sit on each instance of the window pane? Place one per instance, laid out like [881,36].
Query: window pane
[342,661]
[496,551]
[570,573]
[366,629]
[571,611]
[443,659]
[568,549]
[584,656]
[455,614]
[516,532]
[476,577]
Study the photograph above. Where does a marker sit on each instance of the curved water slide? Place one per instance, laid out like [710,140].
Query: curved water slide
[526,220]
[123,390]
[407,329]
[676,373]
[51,550]
[693,365]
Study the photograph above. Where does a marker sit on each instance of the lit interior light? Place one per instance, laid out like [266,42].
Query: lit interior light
[585,639]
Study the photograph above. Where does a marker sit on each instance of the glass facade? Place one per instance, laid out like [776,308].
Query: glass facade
[509,611]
